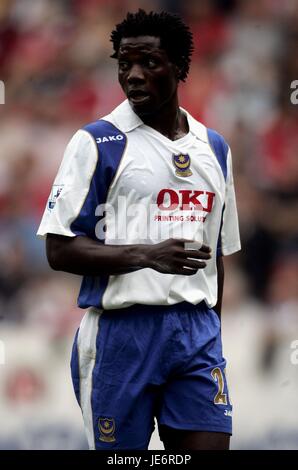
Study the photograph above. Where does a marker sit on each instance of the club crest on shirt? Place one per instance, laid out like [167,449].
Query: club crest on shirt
[106,428]
[55,193]
[182,164]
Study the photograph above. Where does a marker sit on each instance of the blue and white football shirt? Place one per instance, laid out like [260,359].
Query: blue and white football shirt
[122,182]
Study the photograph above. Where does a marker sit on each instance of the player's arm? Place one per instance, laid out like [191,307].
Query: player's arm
[84,256]
[220,284]
[229,233]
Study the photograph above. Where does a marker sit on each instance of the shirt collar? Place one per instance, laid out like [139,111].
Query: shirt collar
[127,120]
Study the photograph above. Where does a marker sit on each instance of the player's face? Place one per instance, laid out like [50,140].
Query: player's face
[146,75]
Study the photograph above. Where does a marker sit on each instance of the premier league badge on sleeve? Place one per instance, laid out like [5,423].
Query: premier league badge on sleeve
[182,164]
[55,193]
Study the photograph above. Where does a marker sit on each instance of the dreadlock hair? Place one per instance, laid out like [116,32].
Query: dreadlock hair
[175,36]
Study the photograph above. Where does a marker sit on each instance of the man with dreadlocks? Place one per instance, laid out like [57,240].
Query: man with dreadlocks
[143,207]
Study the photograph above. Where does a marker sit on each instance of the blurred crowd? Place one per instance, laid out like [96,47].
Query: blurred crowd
[58,75]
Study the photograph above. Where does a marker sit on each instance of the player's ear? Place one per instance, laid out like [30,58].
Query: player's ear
[178,72]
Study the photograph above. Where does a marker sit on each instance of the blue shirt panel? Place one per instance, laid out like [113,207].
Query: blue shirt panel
[111,143]
[220,148]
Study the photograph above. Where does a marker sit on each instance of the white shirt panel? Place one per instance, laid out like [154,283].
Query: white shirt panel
[73,181]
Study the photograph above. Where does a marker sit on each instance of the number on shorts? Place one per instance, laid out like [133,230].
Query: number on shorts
[221,397]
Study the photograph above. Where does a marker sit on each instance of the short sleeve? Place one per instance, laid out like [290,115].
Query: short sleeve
[229,238]
[71,186]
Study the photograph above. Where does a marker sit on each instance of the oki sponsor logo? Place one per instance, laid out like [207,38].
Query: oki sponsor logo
[185,199]
[109,138]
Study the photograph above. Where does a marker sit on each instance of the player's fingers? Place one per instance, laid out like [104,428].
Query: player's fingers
[197,254]
[183,241]
[188,271]
[205,248]
[193,264]
[185,271]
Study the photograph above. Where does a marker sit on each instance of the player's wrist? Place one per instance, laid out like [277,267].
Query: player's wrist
[139,256]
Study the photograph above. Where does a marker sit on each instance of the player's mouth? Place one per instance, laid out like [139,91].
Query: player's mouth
[138,96]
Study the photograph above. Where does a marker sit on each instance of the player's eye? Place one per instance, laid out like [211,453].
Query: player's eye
[123,65]
[151,63]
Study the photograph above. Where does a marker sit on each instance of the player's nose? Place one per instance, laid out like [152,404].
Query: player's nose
[135,74]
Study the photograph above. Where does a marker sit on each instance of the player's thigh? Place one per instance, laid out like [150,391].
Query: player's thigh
[195,411]
[112,376]
[177,439]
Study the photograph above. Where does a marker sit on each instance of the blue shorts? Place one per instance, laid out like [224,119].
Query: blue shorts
[134,364]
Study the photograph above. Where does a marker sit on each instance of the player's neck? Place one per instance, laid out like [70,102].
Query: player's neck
[169,120]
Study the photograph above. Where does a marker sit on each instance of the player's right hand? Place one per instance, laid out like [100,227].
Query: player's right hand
[171,257]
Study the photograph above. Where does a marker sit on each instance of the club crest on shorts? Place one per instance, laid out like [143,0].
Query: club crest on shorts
[106,428]
[182,164]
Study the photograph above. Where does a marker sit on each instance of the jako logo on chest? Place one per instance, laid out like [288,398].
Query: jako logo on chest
[109,138]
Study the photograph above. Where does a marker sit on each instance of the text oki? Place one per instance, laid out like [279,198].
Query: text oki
[169,199]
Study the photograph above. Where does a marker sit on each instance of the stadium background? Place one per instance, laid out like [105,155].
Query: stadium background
[54,61]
